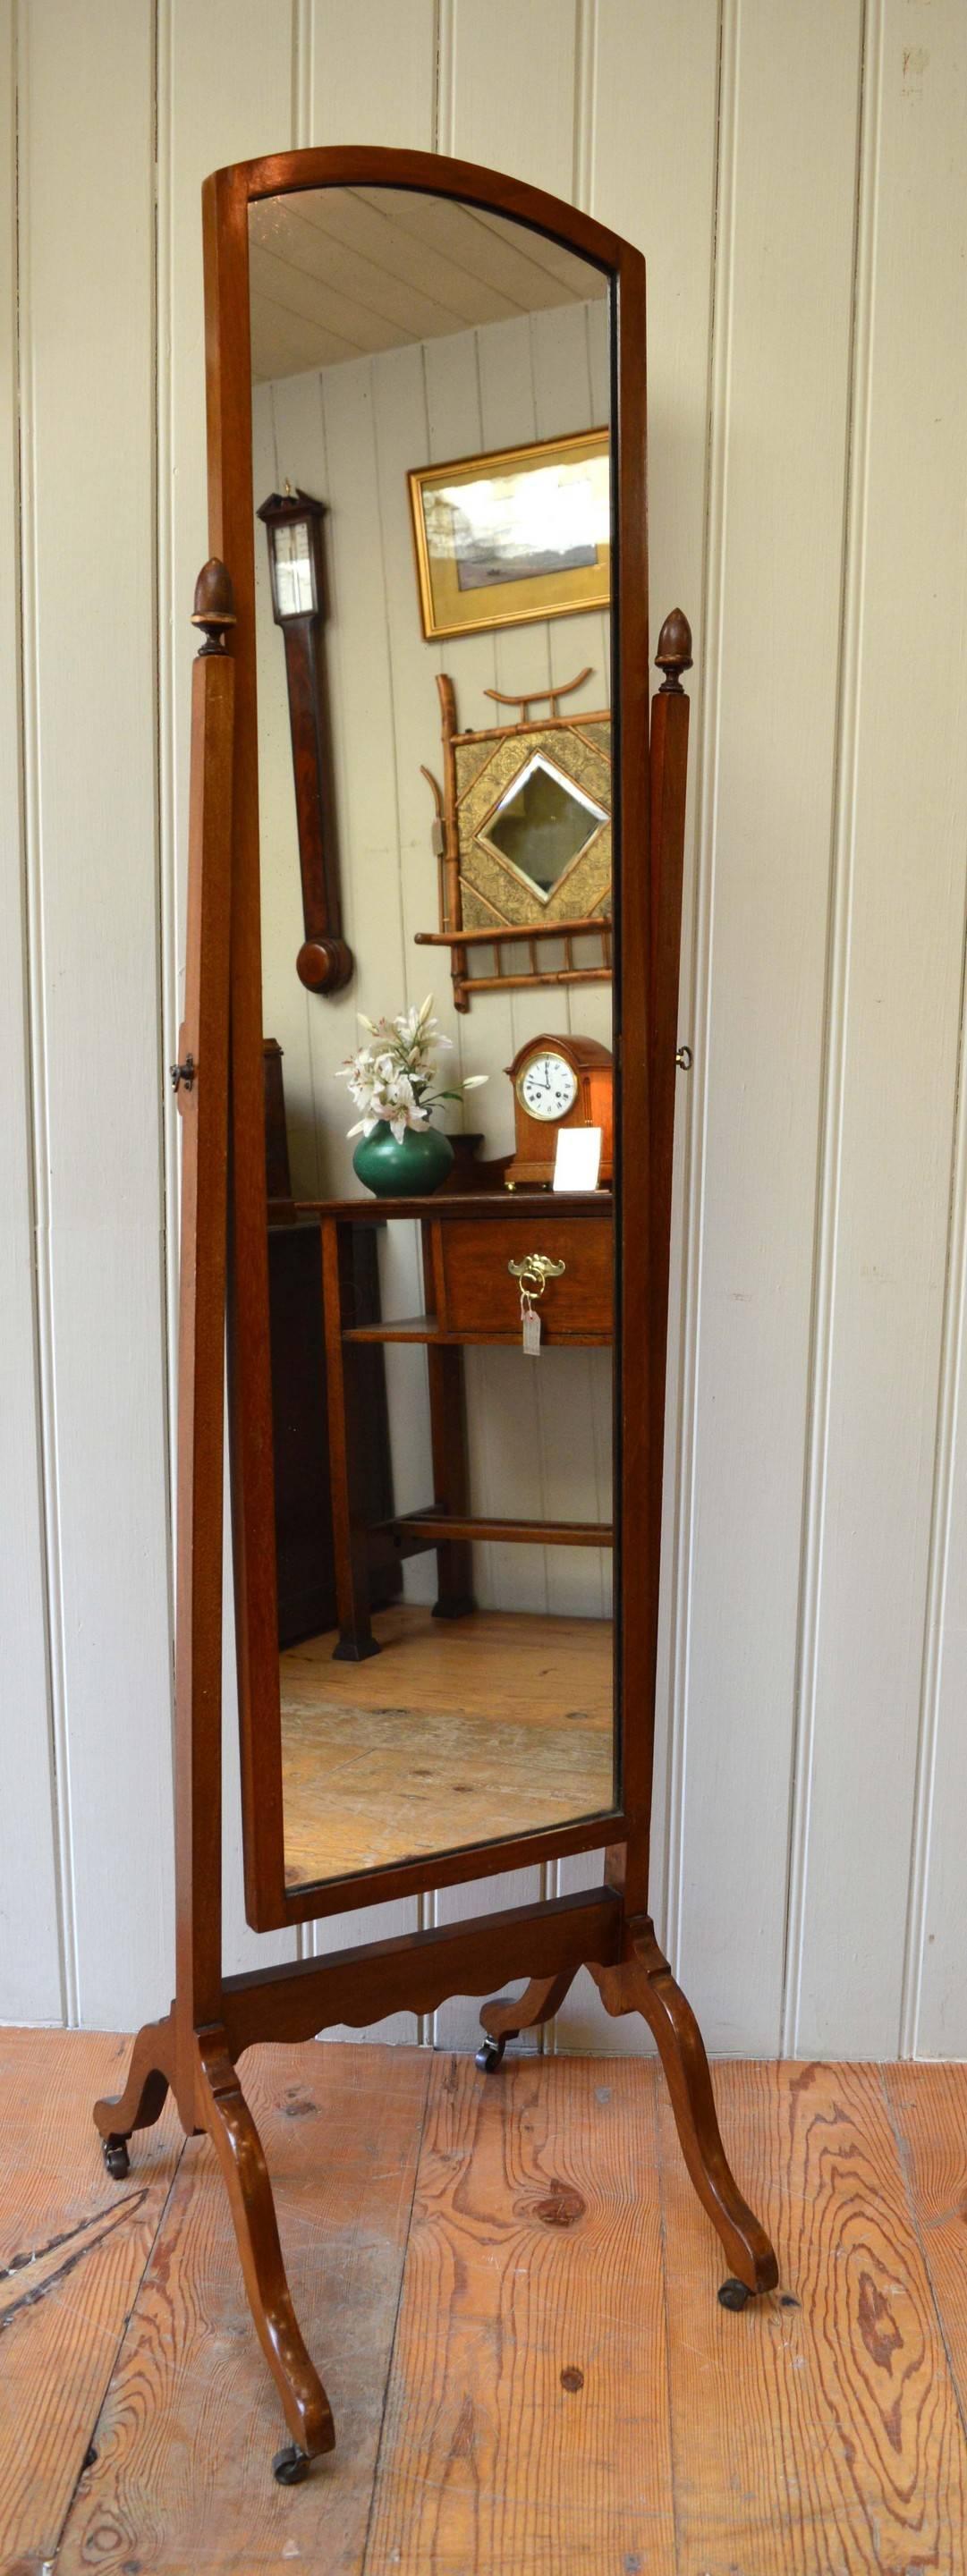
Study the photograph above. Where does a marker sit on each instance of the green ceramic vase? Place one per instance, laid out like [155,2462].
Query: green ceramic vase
[408,1169]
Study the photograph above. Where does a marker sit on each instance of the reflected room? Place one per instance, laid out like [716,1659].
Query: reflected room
[432,494]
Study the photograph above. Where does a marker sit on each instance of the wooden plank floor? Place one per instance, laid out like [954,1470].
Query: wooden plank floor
[510,2290]
[434,1742]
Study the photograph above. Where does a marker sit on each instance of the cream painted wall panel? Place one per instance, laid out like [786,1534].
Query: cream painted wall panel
[30,1968]
[779,443]
[650,115]
[891,1134]
[620,100]
[507,87]
[935,2017]
[371,72]
[87,318]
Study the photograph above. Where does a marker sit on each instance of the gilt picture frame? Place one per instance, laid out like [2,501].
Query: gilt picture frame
[515,536]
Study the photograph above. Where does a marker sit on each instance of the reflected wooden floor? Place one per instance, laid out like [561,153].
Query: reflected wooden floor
[456,1727]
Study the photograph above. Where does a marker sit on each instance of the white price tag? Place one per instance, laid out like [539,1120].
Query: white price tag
[577,1161]
[532,1333]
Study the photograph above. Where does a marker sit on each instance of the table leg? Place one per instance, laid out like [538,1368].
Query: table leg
[356,1639]
[450,1483]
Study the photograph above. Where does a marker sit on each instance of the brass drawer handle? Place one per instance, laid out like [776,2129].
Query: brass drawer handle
[535,1271]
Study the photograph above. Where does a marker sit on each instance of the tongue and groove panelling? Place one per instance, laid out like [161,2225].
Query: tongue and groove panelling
[794,180]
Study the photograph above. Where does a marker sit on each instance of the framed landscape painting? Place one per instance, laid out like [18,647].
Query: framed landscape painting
[522,534]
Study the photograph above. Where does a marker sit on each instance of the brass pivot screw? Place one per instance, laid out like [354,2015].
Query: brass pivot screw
[684,1059]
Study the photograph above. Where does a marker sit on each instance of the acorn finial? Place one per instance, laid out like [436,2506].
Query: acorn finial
[214,608]
[674,653]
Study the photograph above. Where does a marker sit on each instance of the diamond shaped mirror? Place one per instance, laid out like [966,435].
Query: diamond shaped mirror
[541,824]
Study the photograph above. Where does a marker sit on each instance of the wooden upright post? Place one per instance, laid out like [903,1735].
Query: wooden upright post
[189,2049]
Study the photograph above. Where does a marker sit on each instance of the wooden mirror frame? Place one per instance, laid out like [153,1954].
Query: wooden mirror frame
[214,2018]
[639,1228]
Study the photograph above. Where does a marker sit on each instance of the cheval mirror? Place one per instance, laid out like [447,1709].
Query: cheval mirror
[435,849]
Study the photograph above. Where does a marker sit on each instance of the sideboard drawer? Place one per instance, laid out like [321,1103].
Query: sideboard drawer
[480,1295]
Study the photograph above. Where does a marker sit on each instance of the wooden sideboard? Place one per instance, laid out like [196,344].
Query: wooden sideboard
[470,1296]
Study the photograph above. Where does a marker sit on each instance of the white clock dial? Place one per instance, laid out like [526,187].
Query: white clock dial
[548,1086]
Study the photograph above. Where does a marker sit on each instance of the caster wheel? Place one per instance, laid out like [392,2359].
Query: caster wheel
[290,2466]
[733,2294]
[489,2054]
[116,2158]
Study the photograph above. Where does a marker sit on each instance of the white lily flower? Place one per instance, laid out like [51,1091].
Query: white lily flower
[392,1079]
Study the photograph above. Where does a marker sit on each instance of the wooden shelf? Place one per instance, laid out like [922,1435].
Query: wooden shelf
[433,1526]
[411,1328]
[451,1205]
[424,1328]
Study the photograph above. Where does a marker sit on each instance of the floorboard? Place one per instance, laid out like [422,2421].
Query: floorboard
[509,2288]
[433,1743]
[185,2439]
[73,2248]
[527,2428]
[820,2438]
[928,2106]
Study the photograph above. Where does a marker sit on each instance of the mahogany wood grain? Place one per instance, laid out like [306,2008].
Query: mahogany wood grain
[213,2020]
[821,2434]
[449,1869]
[429,1525]
[420,1969]
[535,1139]
[541,1999]
[356,1639]
[469,1280]
[324,963]
[643,1982]
[145,2090]
[451,1482]
[188,2050]
[72,2253]
[227,197]
[426,1328]
[201,1325]
[483,1296]
[484,1205]
[182,2484]
[239,2150]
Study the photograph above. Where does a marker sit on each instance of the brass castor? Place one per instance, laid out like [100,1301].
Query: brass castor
[116,2158]
[733,2294]
[290,2466]
[489,2054]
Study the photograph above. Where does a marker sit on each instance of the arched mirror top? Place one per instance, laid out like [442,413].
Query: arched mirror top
[427,480]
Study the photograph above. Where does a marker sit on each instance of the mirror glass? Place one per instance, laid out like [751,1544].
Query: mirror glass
[432,487]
